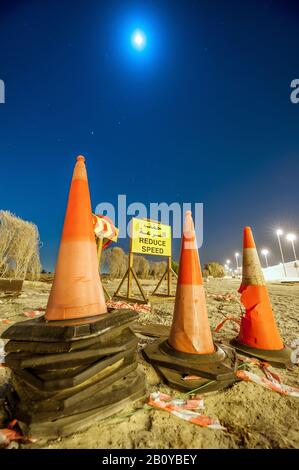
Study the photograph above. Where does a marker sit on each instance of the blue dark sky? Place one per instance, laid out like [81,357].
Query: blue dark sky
[202,114]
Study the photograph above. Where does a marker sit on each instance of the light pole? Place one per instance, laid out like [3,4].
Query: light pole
[228,263]
[237,256]
[291,237]
[279,232]
[265,252]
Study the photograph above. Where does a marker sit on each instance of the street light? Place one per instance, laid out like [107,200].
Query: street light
[237,256]
[291,237]
[265,252]
[226,266]
[279,232]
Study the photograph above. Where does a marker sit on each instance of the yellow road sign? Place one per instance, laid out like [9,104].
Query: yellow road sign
[150,237]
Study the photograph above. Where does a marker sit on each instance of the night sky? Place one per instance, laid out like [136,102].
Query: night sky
[202,114]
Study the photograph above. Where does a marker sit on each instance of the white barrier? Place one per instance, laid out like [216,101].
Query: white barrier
[276,273]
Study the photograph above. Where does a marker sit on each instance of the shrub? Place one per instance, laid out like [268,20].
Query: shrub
[214,269]
[19,248]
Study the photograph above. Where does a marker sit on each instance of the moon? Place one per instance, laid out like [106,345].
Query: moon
[138,40]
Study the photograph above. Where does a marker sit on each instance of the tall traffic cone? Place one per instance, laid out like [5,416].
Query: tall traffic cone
[259,335]
[190,348]
[190,331]
[77,290]
[91,354]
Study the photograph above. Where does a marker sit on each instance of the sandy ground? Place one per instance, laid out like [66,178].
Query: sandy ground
[254,416]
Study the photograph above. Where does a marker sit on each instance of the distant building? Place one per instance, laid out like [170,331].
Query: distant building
[2,92]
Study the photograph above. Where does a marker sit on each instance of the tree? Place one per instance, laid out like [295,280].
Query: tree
[115,261]
[157,269]
[141,266]
[214,269]
[175,266]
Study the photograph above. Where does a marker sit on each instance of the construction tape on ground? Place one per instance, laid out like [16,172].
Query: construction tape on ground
[184,409]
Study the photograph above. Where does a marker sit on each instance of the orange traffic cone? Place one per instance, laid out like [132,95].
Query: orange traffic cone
[190,348]
[259,335]
[190,331]
[77,290]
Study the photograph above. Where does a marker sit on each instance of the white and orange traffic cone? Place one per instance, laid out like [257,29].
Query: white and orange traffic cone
[190,348]
[190,331]
[77,290]
[259,335]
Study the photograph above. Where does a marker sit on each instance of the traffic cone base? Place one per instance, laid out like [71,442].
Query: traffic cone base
[218,366]
[39,347]
[278,358]
[123,393]
[175,379]
[60,394]
[217,355]
[123,344]
[37,329]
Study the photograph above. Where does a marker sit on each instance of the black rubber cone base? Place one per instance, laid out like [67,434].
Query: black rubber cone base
[200,385]
[115,392]
[56,384]
[219,365]
[42,401]
[22,360]
[38,329]
[78,421]
[59,347]
[277,358]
